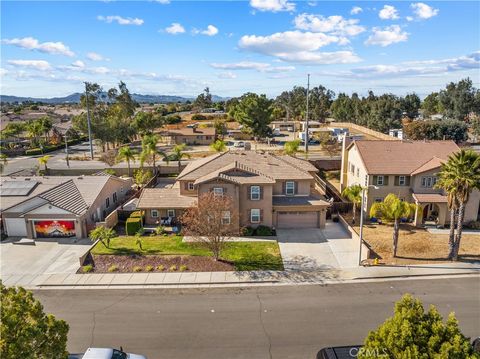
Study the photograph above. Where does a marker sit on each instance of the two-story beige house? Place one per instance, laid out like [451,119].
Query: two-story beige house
[270,190]
[409,169]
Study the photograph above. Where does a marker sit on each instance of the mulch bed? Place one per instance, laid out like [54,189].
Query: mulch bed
[126,263]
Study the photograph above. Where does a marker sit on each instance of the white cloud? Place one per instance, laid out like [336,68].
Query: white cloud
[272,5]
[297,46]
[356,10]
[227,75]
[121,20]
[79,64]
[386,36]
[34,64]
[93,56]
[388,13]
[210,31]
[423,11]
[409,18]
[30,43]
[3,72]
[335,24]
[163,2]
[250,65]
[175,28]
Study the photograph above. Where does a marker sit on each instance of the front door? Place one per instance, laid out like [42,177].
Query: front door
[425,212]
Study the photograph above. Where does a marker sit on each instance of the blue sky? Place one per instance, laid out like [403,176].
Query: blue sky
[263,46]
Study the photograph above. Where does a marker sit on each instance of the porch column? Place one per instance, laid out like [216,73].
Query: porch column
[417,220]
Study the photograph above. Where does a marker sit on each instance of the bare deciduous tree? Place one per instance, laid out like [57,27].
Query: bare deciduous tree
[211,222]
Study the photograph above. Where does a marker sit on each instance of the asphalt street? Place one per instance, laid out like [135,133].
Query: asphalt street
[261,322]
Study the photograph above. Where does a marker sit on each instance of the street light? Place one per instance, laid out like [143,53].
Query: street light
[364,190]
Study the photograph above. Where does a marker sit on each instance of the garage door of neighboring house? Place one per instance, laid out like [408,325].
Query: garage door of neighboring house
[16,227]
[297,220]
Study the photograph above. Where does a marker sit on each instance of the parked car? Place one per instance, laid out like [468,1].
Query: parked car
[239,144]
[106,353]
[347,352]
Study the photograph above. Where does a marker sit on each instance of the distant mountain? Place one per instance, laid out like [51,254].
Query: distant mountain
[75,98]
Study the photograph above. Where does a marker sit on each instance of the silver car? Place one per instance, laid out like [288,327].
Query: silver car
[105,353]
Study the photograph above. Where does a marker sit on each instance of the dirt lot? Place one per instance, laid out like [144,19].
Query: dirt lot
[416,245]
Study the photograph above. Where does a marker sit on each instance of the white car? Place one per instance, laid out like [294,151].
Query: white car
[106,353]
[239,144]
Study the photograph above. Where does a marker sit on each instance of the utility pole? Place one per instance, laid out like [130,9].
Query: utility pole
[306,117]
[66,149]
[88,121]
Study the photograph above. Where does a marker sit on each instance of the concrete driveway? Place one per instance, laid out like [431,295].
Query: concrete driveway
[28,264]
[313,248]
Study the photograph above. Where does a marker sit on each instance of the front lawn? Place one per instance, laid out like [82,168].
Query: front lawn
[243,255]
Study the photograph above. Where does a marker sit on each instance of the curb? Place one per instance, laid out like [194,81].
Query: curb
[417,275]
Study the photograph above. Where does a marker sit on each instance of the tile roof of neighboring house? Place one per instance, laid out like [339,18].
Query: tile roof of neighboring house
[299,201]
[89,187]
[429,197]
[164,198]
[265,164]
[187,131]
[66,196]
[401,157]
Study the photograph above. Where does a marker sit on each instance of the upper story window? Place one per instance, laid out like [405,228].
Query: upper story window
[290,188]
[352,168]
[218,191]
[226,218]
[255,193]
[402,180]
[366,180]
[429,181]
[190,186]
[358,172]
[114,197]
[107,202]
[380,180]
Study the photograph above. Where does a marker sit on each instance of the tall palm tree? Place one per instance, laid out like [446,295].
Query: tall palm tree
[452,203]
[354,195]
[34,130]
[392,209]
[149,150]
[178,154]
[43,161]
[459,176]
[127,154]
[45,125]
[218,146]
[3,161]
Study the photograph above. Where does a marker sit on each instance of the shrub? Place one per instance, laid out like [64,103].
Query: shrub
[132,226]
[33,152]
[199,117]
[148,268]
[137,269]
[161,267]
[183,268]
[159,230]
[112,268]
[87,268]
[263,231]
[173,268]
[136,214]
[473,225]
[248,231]
[173,119]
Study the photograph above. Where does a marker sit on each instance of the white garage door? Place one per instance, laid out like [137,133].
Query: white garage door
[15,227]
[297,220]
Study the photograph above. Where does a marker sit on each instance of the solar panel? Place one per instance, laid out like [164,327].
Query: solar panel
[17,188]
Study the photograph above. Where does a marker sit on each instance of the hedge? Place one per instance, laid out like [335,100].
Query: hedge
[132,226]
[137,214]
[50,148]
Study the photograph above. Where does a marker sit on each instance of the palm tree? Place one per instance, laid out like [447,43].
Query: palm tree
[127,154]
[452,203]
[291,148]
[459,176]
[354,195]
[218,146]
[45,125]
[3,161]
[34,130]
[43,161]
[149,149]
[391,210]
[178,154]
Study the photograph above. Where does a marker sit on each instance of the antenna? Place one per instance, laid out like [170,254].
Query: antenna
[306,117]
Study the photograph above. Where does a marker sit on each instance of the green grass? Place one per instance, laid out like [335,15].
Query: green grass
[244,255]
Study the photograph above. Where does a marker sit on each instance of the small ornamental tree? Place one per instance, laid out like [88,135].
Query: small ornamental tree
[103,234]
[291,147]
[413,333]
[211,222]
[26,331]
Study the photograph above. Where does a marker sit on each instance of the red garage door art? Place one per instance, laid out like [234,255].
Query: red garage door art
[49,229]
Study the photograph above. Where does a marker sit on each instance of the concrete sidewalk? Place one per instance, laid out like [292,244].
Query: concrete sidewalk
[234,279]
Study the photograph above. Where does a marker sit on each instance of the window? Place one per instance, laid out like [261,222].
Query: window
[255,215]
[290,188]
[255,193]
[434,181]
[352,168]
[218,191]
[401,180]
[429,182]
[107,202]
[378,200]
[154,213]
[366,180]
[170,213]
[380,180]
[190,186]
[358,172]
[226,217]
[114,197]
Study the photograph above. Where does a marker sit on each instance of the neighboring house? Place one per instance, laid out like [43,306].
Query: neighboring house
[396,132]
[270,190]
[58,206]
[408,169]
[192,136]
